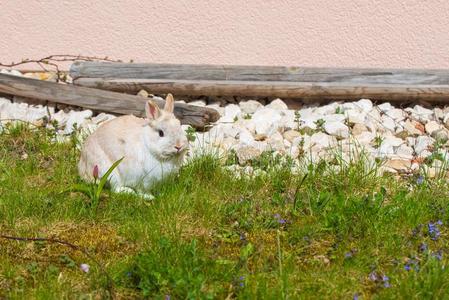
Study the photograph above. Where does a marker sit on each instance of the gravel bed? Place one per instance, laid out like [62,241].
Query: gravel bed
[407,140]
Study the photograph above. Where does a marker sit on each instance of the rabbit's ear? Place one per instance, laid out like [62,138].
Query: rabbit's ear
[152,110]
[169,103]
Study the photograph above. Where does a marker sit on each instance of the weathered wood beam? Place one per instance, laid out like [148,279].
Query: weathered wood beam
[99,100]
[303,90]
[111,70]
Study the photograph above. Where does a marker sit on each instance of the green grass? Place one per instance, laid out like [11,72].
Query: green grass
[210,234]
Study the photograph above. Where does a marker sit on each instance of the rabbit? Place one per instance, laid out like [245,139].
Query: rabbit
[150,147]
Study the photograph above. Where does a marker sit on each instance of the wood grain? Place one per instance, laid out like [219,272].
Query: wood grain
[99,100]
[110,70]
[303,90]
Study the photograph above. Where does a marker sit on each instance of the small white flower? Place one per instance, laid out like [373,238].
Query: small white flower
[85,268]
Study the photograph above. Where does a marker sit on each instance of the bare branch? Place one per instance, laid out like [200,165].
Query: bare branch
[53,60]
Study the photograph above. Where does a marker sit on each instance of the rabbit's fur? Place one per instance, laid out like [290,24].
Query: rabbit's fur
[151,147]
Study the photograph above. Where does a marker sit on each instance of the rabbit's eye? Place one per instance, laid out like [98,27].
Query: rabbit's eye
[161,133]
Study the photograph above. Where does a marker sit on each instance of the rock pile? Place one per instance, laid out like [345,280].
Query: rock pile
[407,140]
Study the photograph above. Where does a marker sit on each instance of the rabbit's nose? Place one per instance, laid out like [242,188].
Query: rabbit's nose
[178,148]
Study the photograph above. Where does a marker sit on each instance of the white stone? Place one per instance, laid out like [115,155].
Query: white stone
[440,135]
[424,154]
[423,143]
[309,122]
[387,124]
[421,114]
[250,106]
[302,142]
[245,137]
[76,118]
[355,116]
[349,106]
[277,104]
[415,166]
[358,129]
[411,141]
[290,135]
[384,107]
[334,118]
[385,150]
[432,126]
[231,113]
[266,121]
[245,153]
[322,140]
[307,112]
[365,105]
[365,138]
[404,152]
[337,129]
[276,142]
[446,121]
[388,146]
[398,128]
[396,114]
[410,128]
[288,120]
[231,130]
[228,143]
[373,120]
[393,141]
[439,113]
[327,109]
[246,123]
[398,164]
[198,103]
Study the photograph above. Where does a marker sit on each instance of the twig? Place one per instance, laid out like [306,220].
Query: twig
[70,245]
[52,61]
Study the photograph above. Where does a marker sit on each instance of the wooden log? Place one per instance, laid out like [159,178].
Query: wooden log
[304,90]
[111,70]
[99,100]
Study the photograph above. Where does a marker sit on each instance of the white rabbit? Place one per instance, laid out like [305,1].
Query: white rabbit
[151,147]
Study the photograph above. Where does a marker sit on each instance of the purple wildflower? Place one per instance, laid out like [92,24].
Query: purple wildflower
[439,222]
[423,247]
[356,296]
[420,179]
[167,297]
[279,219]
[434,231]
[386,281]
[348,255]
[373,276]
[242,281]
[407,267]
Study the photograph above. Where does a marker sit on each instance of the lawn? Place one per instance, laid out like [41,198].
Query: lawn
[337,233]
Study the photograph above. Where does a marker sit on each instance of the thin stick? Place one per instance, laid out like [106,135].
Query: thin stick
[52,61]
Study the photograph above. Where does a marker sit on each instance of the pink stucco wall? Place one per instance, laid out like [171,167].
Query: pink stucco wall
[351,33]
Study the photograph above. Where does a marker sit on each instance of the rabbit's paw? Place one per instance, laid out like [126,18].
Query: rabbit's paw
[124,190]
[146,196]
